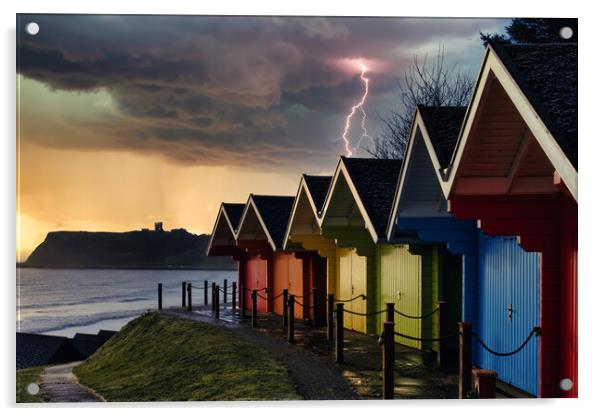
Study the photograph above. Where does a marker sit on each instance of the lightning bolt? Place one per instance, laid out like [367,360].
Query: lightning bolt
[349,149]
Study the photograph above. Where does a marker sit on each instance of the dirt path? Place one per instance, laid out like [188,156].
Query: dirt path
[316,377]
[59,384]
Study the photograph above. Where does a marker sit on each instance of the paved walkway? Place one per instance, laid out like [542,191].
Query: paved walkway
[59,384]
[311,360]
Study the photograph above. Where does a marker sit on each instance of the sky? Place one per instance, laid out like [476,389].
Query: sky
[128,120]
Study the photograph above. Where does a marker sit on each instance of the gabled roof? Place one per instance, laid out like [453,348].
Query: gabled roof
[443,126]
[231,213]
[234,212]
[315,188]
[273,213]
[541,82]
[547,75]
[439,127]
[372,183]
[318,188]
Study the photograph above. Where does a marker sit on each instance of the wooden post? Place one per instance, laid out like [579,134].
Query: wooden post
[254,310]
[225,291]
[216,302]
[390,312]
[314,297]
[183,295]
[189,287]
[330,318]
[160,296]
[388,357]
[465,366]
[243,301]
[291,319]
[212,296]
[233,298]
[442,311]
[485,383]
[339,335]
[206,290]
[284,309]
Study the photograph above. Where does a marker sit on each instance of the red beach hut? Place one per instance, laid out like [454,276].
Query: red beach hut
[223,236]
[515,171]
[269,269]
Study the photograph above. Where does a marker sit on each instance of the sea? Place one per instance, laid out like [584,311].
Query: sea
[65,301]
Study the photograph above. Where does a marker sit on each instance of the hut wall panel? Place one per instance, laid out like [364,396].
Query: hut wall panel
[332,266]
[509,275]
[297,284]
[428,290]
[568,292]
[344,281]
[400,282]
[359,280]
[450,291]
[318,277]
[281,279]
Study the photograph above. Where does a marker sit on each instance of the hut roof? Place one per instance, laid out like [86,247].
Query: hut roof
[318,188]
[375,181]
[443,125]
[234,212]
[274,212]
[547,75]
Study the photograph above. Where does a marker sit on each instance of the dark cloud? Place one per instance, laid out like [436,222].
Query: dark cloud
[230,90]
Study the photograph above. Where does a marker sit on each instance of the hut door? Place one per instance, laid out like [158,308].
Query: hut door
[509,305]
[257,279]
[358,287]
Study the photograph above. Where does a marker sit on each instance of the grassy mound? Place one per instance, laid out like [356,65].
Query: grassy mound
[26,376]
[158,358]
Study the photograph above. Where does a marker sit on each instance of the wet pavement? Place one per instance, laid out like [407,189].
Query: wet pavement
[416,372]
[59,384]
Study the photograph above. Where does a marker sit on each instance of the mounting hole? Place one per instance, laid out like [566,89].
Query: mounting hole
[32,389]
[32,28]
[566,33]
[566,384]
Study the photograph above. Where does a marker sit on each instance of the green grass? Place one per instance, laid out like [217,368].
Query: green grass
[158,358]
[24,377]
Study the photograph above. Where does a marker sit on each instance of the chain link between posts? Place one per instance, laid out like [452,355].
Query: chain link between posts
[417,317]
[350,300]
[535,331]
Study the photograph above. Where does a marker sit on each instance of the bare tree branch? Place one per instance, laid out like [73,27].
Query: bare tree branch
[425,83]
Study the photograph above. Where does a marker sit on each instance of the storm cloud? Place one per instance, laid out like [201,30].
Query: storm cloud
[209,90]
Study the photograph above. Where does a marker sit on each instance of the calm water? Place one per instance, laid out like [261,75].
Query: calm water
[62,302]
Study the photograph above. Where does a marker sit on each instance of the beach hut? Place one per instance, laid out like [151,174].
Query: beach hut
[223,237]
[355,214]
[270,269]
[514,170]
[303,233]
[420,219]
